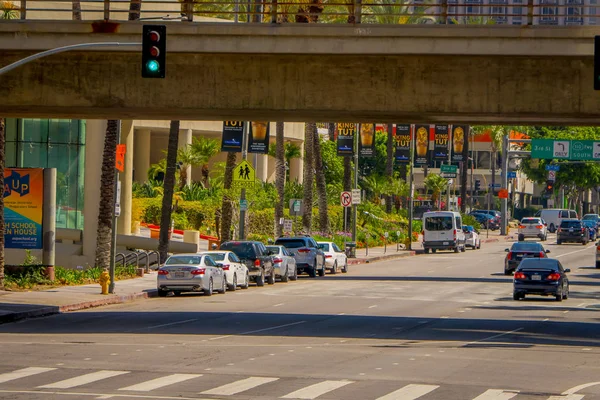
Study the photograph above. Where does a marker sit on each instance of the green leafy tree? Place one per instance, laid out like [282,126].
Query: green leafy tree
[204,149]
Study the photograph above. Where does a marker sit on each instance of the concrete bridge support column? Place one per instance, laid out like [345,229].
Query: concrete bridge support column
[141,154]
[262,167]
[126,179]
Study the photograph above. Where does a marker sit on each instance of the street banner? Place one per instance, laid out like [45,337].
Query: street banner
[366,144]
[402,143]
[440,148]
[233,136]
[460,133]
[421,145]
[23,207]
[259,137]
[345,139]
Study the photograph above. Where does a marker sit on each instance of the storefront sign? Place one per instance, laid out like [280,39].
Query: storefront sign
[259,137]
[233,135]
[402,143]
[345,139]
[421,145]
[460,133]
[366,144]
[440,148]
[23,207]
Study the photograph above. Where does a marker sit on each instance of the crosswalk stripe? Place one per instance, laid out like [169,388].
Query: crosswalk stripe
[240,386]
[497,394]
[409,392]
[316,390]
[23,373]
[83,379]
[160,382]
[567,397]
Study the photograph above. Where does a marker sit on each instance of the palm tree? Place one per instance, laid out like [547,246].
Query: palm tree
[279,176]
[321,184]
[204,149]
[291,151]
[397,188]
[227,206]
[8,10]
[168,187]
[401,12]
[309,175]
[2,161]
[107,195]
[389,165]
[186,157]
[376,185]
[437,185]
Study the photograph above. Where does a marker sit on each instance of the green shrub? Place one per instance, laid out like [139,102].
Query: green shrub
[470,220]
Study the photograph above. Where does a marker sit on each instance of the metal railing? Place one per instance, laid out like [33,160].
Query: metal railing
[389,12]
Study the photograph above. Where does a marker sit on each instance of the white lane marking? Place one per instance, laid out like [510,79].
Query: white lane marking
[161,382]
[278,305]
[496,336]
[316,390]
[564,312]
[239,386]
[573,252]
[496,394]
[372,306]
[581,305]
[259,330]
[164,325]
[100,395]
[567,397]
[546,319]
[83,379]
[576,389]
[23,373]
[409,392]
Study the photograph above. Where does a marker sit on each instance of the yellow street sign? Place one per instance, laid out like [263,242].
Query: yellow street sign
[243,175]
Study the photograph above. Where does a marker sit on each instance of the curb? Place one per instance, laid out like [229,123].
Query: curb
[51,310]
[357,261]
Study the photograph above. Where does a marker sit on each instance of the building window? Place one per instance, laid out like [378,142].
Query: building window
[52,143]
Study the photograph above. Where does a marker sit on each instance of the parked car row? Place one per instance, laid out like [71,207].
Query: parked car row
[489,219]
[238,263]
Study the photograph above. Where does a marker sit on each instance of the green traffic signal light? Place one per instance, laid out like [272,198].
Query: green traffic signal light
[153,66]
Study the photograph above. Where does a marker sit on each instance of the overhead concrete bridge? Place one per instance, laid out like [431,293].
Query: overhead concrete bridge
[308,72]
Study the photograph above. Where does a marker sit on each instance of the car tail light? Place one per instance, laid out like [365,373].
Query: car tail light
[521,226]
[454,233]
[509,256]
[226,267]
[328,256]
[520,275]
[423,233]
[163,272]
[582,229]
[199,271]
[303,250]
[542,254]
[257,263]
[277,260]
[598,248]
[539,226]
[553,277]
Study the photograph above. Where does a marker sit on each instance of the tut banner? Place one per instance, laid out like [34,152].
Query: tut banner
[440,148]
[402,143]
[233,135]
[259,137]
[345,138]
[460,133]
[421,144]
[23,207]
[366,144]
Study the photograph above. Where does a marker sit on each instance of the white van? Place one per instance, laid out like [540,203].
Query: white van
[442,230]
[554,216]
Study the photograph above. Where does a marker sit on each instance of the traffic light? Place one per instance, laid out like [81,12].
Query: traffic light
[154,51]
[549,187]
[597,63]
[477,185]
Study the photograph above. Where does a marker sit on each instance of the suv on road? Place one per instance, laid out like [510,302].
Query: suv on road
[256,257]
[572,230]
[305,250]
[533,227]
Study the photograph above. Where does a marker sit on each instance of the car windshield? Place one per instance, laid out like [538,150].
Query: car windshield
[590,217]
[243,250]
[292,244]
[191,260]
[324,246]
[570,224]
[527,247]
[530,264]
[589,222]
[217,256]
[530,221]
[273,249]
[438,223]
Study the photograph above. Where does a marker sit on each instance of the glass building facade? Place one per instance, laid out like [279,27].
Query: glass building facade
[52,143]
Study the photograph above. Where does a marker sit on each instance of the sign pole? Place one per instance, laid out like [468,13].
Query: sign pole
[504,201]
[113,241]
[411,189]
[354,206]
[242,230]
[49,220]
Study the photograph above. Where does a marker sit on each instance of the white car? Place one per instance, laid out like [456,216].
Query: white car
[472,239]
[335,258]
[284,263]
[190,273]
[236,272]
[533,227]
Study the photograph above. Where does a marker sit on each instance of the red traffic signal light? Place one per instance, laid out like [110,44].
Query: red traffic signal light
[549,186]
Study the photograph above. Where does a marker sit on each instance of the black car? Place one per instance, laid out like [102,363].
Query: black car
[520,251]
[486,220]
[572,230]
[542,277]
[256,257]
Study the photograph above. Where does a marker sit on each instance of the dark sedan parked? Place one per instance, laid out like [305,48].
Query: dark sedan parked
[520,251]
[486,221]
[542,277]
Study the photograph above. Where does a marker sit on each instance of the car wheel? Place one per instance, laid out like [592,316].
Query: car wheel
[479,245]
[507,272]
[246,282]
[463,248]
[295,276]
[434,251]
[223,285]
[521,237]
[176,293]
[516,296]
[260,280]
[566,294]
[312,272]
[456,249]
[209,291]
[598,264]
[163,293]
[271,278]
[345,268]
[585,242]
[558,241]
[233,287]
[426,250]
[559,296]
[334,269]
[322,270]
[284,277]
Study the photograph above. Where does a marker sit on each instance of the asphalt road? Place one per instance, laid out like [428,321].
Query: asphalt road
[432,327]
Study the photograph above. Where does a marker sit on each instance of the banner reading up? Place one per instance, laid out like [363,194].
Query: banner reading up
[402,143]
[23,207]
[233,135]
[421,144]
[366,146]
[259,137]
[345,139]
[440,149]
[460,133]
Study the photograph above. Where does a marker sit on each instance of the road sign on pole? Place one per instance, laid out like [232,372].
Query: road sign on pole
[552,167]
[287,225]
[296,207]
[511,174]
[355,196]
[346,199]
[243,175]
[574,150]
[552,176]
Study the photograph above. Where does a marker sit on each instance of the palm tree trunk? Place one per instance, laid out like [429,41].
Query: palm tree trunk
[226,206]
[389,166]
[168,189]
[107,196]
[2,161]
[279,177]
[464,176]
[491,191]
[331,131]
[321,184]
[309,134]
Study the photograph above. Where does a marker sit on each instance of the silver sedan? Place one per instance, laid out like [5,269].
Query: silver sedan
[190,273]
[284,263]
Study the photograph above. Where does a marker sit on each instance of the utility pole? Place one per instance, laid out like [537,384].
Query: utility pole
[504,201]
[354,206]
[242,227]
[411,189]
[113,240]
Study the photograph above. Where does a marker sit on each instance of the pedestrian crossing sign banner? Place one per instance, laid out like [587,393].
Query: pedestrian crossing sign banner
[244,175]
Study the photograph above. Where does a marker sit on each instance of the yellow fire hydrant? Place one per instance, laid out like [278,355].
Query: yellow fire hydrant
[104,281]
